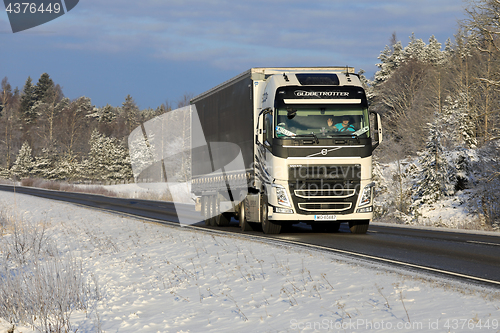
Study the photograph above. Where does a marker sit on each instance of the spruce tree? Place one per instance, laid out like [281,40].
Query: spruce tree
[67,168]
[460,125]
[43,165]
[432,52]
[107,114]
[130,114]
[23,165]
[44,88]
[416,49]
[434,174]
[28,99]
[107,159]
[391,58]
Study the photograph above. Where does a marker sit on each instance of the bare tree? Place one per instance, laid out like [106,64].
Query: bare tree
[483,29]
[409,101]
[9,103]
[185,100]
[74,121]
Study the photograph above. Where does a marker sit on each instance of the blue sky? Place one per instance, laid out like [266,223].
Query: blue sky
[158,50]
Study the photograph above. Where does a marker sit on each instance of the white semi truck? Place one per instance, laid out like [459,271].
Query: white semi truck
[306,138]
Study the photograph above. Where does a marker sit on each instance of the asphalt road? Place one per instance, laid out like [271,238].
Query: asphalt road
[463,255]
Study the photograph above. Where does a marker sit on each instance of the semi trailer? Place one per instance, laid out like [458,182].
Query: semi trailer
[305,137]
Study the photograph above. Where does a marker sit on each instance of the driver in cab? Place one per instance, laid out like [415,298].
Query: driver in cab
[341,127]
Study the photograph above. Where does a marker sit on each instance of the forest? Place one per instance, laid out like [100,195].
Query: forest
[440,105]
[441,111]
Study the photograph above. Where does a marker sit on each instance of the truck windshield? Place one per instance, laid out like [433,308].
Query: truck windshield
[322,121]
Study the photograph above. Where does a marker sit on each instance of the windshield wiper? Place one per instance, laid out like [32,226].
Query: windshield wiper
[312,135]
[361,131]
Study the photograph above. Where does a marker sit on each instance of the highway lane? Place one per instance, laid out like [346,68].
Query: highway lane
[460,254]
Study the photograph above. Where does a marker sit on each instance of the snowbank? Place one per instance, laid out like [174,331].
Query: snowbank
[157,278]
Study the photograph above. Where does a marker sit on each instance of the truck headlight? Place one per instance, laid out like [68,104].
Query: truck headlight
[366,196]
[282,196]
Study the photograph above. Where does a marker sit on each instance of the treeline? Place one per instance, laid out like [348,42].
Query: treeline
[45,134]
[441,106]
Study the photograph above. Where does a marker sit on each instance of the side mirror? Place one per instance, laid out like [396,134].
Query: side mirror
[376,130]
[261,130]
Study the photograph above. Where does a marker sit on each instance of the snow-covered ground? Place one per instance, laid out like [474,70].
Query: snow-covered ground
[393,197]
[157,278]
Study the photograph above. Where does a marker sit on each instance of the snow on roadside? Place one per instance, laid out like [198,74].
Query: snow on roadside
[393,198]
[157,278]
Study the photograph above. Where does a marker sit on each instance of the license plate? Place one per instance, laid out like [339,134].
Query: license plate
[325,217]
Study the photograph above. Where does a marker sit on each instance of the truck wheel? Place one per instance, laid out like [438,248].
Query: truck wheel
[244,224]
[205,209]
[216,211]
[224,219]
[221,219]
[268,227]
[359,227]
[210,221]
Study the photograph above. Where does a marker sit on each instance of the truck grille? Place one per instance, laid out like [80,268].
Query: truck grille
[325,172]
[329,196]
[325,207]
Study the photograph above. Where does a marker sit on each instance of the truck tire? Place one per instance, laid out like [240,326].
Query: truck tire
[216,211]
[210,221]
[244,224]
[359,227]
[222,219]
[205,209]
[268,227]
[225,219]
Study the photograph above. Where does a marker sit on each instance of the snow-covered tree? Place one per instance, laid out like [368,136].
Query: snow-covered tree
[443,168]
[106,114]
[43,165]
[433,53]
[434,170]
[4,173]
[459,122]
[67,168]
[23,165]
[391,58]
[107,159]
[416,49]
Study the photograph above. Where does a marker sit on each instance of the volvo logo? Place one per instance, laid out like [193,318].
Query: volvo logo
[325,151]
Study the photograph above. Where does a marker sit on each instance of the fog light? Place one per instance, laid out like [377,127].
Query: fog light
[365,210]
[283,210]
